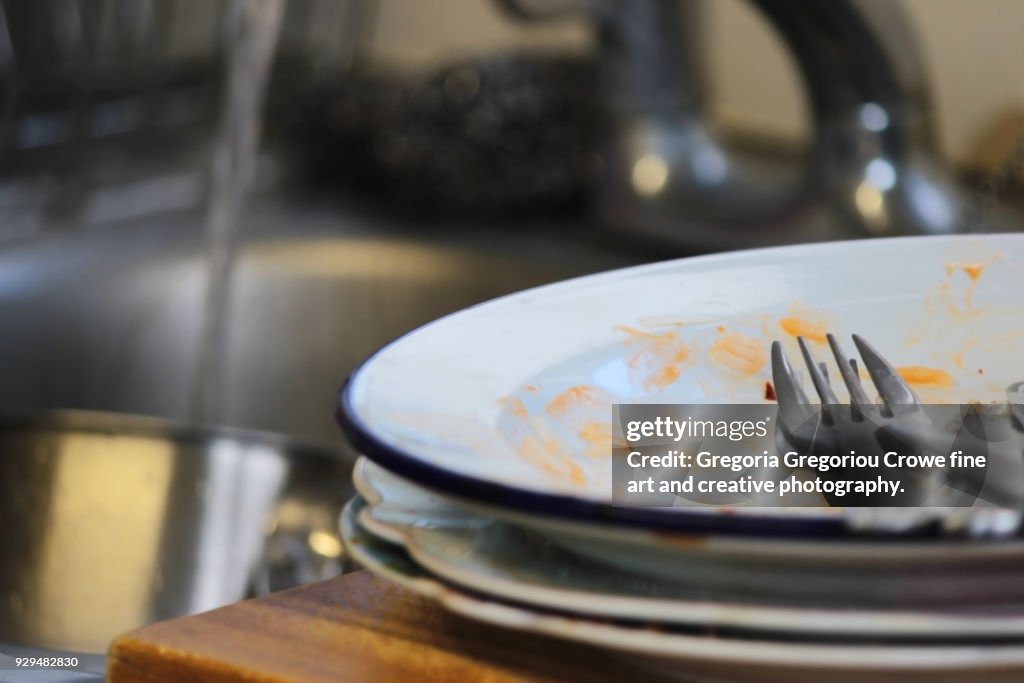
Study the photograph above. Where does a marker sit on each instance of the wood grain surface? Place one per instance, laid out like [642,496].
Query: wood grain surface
[353,628]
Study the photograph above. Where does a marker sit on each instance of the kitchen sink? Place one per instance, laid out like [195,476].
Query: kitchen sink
[158,518]
[110,319]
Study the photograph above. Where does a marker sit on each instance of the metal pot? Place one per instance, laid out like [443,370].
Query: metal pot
[113,521]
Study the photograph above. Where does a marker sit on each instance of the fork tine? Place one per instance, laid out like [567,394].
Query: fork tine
[891,387]
[848,370]
[1015,397]
[794,408]
[821,384]
[823,366]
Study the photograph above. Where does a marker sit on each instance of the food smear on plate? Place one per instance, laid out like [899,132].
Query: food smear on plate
[740,353]
[957,295]
[661,321]
[538,443]
[951,302]
[598,438]
[513,405]
[583,410]
[547,456]
[973,270]
[579,395]
[803,320]
[798,327]
[656,359]
[958,357]
[925,376]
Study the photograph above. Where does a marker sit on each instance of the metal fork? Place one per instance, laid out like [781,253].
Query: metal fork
[996,500]
[798,417]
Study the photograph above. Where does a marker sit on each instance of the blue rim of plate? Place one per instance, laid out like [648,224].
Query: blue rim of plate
[574,509]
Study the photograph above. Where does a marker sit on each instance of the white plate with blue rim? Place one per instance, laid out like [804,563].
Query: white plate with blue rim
[697,655]
[485,555]
[509,403]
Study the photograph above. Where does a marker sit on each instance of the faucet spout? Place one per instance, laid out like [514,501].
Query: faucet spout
[873,168]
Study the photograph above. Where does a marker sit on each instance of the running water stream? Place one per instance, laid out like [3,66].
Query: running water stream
[252,31]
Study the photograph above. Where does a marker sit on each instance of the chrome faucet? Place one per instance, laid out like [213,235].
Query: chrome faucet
[873,168]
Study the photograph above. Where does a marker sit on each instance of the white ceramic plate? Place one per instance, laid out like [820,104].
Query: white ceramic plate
[700,657]
[509,402]
[509,562]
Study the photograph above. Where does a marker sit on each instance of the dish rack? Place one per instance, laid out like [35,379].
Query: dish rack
[107,107]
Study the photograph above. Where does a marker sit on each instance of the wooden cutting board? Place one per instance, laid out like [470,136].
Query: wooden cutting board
[356,627]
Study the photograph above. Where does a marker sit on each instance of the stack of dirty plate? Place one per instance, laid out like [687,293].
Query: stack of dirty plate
[487,477]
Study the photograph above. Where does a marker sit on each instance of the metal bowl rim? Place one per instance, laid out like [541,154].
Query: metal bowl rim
[122,424]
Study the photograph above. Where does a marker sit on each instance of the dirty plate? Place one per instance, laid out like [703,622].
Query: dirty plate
[509,402]
[512,562]
[697,656]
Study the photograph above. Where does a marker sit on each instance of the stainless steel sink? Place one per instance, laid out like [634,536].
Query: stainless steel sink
[110,320]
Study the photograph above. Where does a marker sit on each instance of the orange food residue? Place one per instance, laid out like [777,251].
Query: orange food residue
[739,352]
[662,378]
[513,406]
[798,327]
[659,357]
[769,392]
[923,375]
[598,436]
[958,357]
[973,270]
[956,302]
[547,456]
[638,335]
[572,396]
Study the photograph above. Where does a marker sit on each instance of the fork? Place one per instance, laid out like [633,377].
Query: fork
[930,495]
